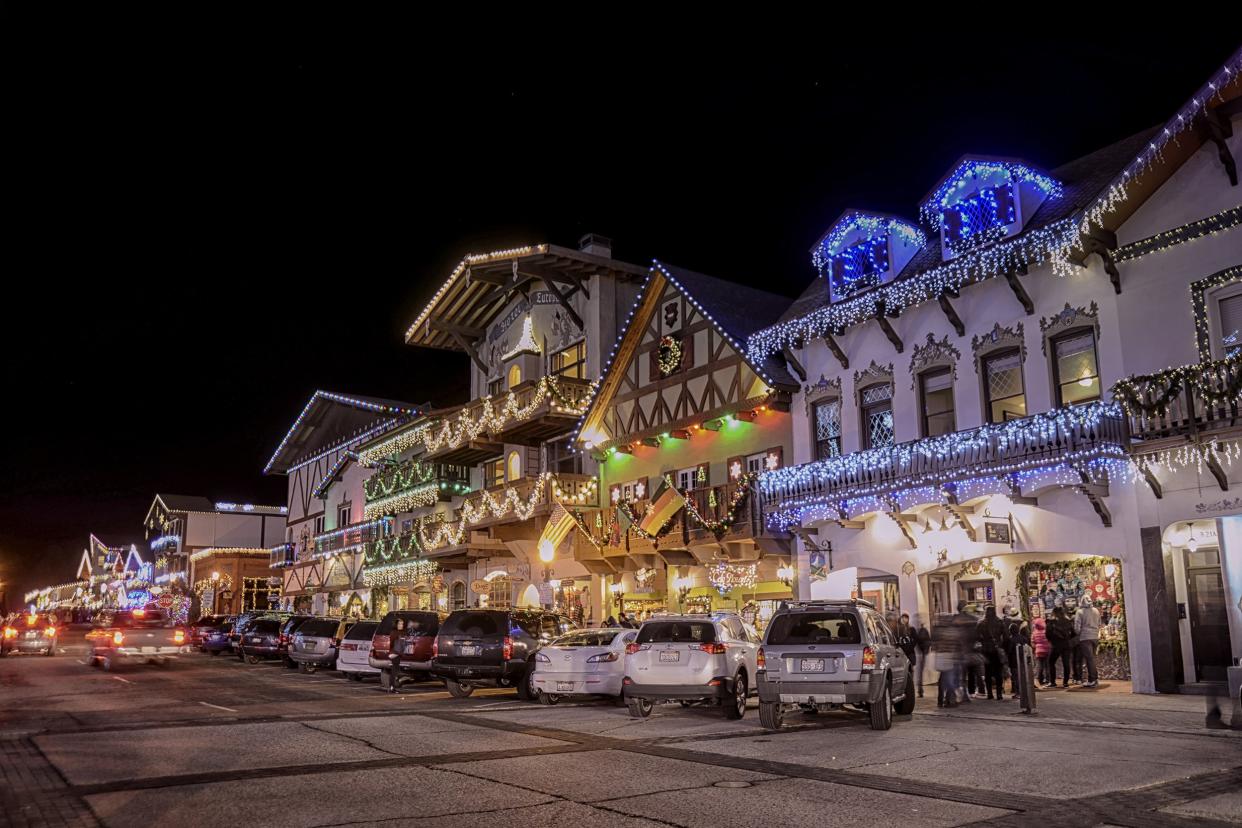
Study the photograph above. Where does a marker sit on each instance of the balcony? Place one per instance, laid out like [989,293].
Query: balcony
[1195,402]
[282,556]
[412,485]
[351,538]
[527,414]
[1072,437]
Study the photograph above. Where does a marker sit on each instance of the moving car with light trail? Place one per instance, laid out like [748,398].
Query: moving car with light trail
[823,655]
[691,659]
[139,636]
[582,663]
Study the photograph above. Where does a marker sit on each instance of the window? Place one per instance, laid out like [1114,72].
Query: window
[457,597]
[515,375]
[499,592]
[514,465]
[936,397]
[877,419]
[1229,309]
[859,267]
[570,362]
[1003,391]
[979,219]
[562,460]
[687,479]
[342,515]
[1075,368]
[319,525]
[827,429]
[493,474]
[495,387]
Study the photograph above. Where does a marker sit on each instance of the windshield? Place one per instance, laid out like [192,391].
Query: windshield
[265,625]
[815,628]
[662,632]
[476,624]
[140,618]
[587,638]
[319,627]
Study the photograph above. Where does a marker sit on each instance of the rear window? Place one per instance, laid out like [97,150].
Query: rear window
[587,638]
[815,628]
[319,626]
[362,631]
[141,618]
[265,625]
[411,623]
[663,632]
[476,624]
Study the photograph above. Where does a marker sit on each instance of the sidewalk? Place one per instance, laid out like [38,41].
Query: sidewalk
[1112,704]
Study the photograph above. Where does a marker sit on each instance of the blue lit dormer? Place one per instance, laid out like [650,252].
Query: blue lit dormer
[984,200]
[863,250]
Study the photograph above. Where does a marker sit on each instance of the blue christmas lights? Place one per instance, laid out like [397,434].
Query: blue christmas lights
[980,219]
[973,176]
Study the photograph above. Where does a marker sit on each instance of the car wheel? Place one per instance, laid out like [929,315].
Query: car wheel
[882,710]
[906,706]
[639,708]
[51,651]
[548,698]
[163,662]
[771,715]
[252,659]
[213,652]
[107,664]
[354,676]
[527,689]
[735,707]
[458,690]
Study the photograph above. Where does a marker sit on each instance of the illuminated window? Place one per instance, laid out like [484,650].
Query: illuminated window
[342,516]
[457,597]
[1229,314]
[1075,368]
[494,474]
[827,429]
[570,362]
[1004,393]
[515,375]
[499,592]
[877,416]
[515,465]
[979,219]
[936,397]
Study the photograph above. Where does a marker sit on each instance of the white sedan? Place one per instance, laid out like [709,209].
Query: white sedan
[352,657]
[582,663]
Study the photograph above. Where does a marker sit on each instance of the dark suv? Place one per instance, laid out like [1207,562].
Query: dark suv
[494,648]
[414,632]
[821,655]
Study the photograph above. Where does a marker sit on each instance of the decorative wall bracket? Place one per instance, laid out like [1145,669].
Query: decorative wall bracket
[933,354]
[1067,319]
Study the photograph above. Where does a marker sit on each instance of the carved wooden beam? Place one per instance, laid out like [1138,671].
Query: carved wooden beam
[833,346]
[951,314]
[1019,291]
[1218,129]
[881,319]
[1103,242]
[1095,494]
[1153,483]
[959,511]
[563,298]
[844,522]
[904,522]
[1213,465]
[1015,491]
[793,363]
[467,345]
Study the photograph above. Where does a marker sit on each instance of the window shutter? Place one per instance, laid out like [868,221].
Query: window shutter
[687,351]
[780,457]
[1230,322]
[736,462]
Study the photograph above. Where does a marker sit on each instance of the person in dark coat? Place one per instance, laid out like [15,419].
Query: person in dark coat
[1061,636]
[904,635]
[994,639]
[923,640]
[1019,633]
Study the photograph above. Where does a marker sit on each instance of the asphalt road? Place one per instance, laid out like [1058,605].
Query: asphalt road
[213,742]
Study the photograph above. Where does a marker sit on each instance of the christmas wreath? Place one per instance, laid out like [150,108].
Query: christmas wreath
[669,355]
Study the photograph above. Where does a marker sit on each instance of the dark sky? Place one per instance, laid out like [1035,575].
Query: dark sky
[202,231]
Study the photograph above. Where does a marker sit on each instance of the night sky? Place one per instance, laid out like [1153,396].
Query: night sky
[201,232]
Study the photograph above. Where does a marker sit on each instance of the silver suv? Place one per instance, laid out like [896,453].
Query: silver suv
[689,659]
[820,655]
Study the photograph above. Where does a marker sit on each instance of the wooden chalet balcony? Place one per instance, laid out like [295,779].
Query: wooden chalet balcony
[354,537]
[527,414]
[403,478]
[1067,435]
[1195,402]
[282,556]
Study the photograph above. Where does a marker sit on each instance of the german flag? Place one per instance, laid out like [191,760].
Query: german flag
[665,503]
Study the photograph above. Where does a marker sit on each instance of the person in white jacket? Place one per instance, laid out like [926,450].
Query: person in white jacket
[1087,628]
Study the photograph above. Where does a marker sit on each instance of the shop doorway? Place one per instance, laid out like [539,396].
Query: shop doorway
[1206,609]
[882,592]
[977,594]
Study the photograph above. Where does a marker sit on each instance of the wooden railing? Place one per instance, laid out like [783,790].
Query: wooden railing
[352,536]
[1182,402]
[488,416]
[411,474]
[283,555]
[1061,434]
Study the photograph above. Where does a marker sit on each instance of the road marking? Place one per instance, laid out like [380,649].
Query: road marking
[217,707]
[127,681]
[80,661]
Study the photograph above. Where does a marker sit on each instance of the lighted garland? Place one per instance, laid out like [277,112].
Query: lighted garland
[399,441]
[669,355]
[224,582]
[1198,298]
[726,577]
[626,510]
[1191,231]
[486,507]
[718,528]
[870,226]
[1216,383]
[465,427]
[229,551]
[387,549]
[995,172]
[416,571]
[584,496]
[405,476]
[425,495]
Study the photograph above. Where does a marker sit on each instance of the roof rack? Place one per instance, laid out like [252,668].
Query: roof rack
[823,602]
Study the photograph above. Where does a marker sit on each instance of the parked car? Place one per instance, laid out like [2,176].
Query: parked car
[582,663]
[287,630]
[415,630]
[29,633]
[315,643]
[709,659]
[353,656]
[215,639]
[260,640]
[496,648]
[821,655]
[200,629]
[245,620]
[140,635]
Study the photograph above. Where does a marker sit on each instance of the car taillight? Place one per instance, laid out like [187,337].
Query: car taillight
[9,632]
[381,643]
[284,639]
[631,648]
[179,637]
[508,648]
[50,632]
[713,648]
[435,647]
[761,661]
[603,657]
[868,659]
[118,637]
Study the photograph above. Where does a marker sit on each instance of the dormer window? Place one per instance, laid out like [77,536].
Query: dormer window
[983,201]
[863,251]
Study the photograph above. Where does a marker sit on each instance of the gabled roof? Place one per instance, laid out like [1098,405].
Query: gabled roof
[871,222]
[735,310]
[85,564]
[133,558]
[969,166]
[330,419]
[474,293]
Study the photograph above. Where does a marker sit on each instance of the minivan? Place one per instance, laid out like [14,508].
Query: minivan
[494,648]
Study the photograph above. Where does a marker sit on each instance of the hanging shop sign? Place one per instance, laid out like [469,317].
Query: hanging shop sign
[480,585]
[997,531]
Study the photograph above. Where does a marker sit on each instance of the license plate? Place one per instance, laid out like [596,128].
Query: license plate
[148,649]
[564,686]
[256,640]
[811,665]
[670,655]
[468,651]
[349,647]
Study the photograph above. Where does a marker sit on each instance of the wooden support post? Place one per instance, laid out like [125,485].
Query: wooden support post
[1153,483]
[1218,129]
[881,319]
[951,314]
[1019,291]
[831,342]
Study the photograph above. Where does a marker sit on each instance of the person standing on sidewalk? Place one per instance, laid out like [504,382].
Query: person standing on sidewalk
[994,641]
[1043,650]
[1060,634]
[923,640]
[1087,628]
